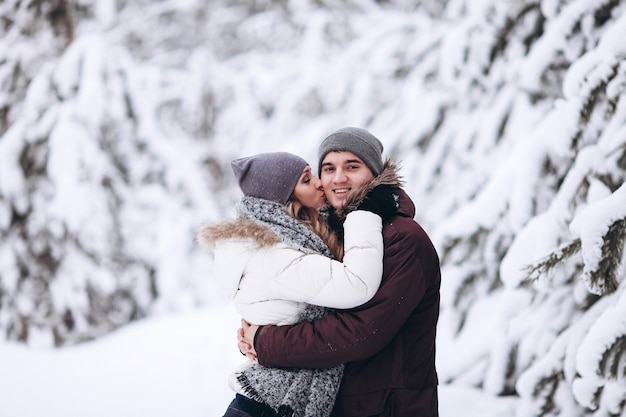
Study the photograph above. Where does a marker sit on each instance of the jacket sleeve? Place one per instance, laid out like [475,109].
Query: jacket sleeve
[319,280]
[359,333]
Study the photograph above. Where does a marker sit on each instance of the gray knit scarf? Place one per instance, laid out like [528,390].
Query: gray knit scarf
[290,392]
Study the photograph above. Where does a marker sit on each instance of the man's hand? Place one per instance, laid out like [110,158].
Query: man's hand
[245,338]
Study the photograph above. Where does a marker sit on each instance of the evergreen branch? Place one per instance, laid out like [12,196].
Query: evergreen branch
[589,104]
[597,395]
[603,14]
[468,244]
[621,160]
[605,277]
[511,23]
[552,260]
[609,365]
[545,390]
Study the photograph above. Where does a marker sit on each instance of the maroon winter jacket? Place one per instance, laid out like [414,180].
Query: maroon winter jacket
[387,344]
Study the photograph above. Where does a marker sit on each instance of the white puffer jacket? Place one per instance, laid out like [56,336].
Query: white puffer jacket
[271,283]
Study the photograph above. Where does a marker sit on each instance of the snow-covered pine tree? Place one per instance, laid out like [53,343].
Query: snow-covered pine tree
[104,176]
[25,25]
[544,81]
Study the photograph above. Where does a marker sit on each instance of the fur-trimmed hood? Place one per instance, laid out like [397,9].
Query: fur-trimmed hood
[237,229]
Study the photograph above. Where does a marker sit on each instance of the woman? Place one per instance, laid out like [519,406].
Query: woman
[279,261]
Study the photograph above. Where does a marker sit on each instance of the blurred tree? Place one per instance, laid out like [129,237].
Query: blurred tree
[118,119]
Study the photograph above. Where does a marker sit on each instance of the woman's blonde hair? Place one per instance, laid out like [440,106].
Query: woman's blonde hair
[311,218]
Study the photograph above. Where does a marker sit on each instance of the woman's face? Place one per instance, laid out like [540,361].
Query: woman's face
[309,190]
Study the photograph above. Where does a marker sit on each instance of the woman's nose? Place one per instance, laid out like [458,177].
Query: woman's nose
[317,183]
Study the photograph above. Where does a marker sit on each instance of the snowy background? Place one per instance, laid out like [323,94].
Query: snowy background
[174,365]
[118,120]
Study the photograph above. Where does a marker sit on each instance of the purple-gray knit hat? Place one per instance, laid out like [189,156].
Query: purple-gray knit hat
[358,141]
[272,176]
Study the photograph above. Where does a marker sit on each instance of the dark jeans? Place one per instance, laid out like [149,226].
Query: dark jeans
[245,407]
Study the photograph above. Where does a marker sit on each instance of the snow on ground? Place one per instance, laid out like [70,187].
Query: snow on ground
[165,366]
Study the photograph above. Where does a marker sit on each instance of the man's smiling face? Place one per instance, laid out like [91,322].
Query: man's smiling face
[342,172]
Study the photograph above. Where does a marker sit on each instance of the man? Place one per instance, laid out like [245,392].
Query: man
[387,344]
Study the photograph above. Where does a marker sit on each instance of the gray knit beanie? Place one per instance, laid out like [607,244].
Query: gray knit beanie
[358,141]
[271,176]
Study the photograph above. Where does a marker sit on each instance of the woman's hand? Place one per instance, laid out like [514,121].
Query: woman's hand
[381,200]
[245,339]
